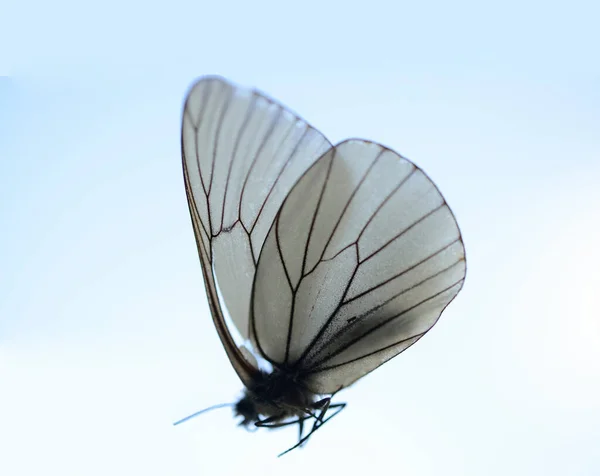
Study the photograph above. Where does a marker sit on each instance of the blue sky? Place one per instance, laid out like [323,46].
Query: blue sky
[105,336]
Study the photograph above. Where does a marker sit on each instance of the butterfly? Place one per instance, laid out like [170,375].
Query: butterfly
[322,261]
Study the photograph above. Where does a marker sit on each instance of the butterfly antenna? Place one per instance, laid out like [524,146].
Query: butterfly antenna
[193,415]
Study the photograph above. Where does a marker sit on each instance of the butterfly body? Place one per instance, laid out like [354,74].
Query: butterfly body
[275,396]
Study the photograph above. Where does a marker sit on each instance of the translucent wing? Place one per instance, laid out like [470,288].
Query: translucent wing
[361,260]
[242,152]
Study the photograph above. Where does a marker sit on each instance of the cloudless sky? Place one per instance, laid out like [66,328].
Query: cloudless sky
[105,333]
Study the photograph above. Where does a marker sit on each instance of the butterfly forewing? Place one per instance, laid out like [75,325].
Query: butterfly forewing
[361,260]
[242,153]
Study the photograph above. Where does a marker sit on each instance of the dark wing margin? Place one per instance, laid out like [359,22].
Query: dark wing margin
[361,260]
[242,152]
[243,366]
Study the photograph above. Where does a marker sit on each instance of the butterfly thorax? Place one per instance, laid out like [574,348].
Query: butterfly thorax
[275,396]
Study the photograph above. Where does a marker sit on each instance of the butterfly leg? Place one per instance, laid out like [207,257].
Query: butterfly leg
[272,422]
[268,422]
[324,405]
[319,422]
[300,428]
[317,405]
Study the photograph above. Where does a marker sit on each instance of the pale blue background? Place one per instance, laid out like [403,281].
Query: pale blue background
[105,337]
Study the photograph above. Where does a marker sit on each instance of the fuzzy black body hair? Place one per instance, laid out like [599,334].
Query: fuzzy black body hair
[282,398]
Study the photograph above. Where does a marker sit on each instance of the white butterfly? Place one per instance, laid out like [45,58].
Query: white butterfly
[330,260]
